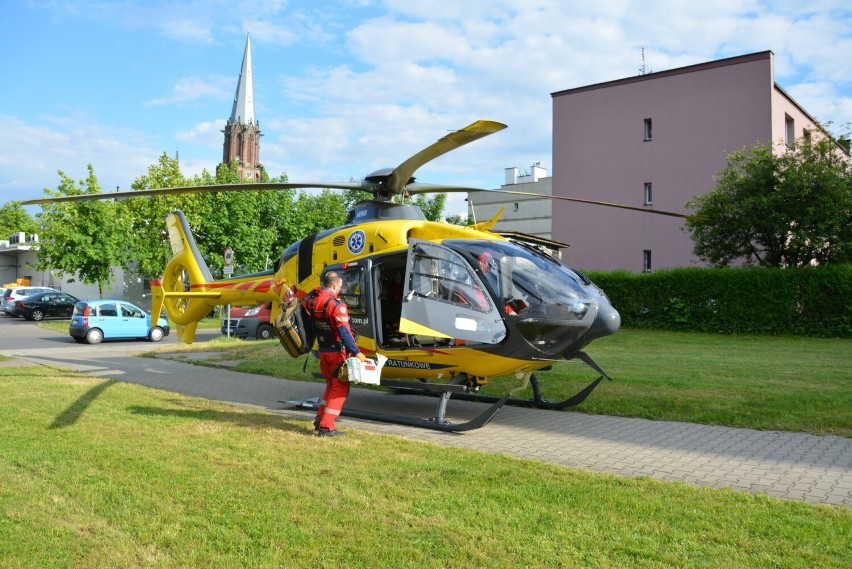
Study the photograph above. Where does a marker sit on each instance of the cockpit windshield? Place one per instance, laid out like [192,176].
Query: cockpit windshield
[528,283]
[478,290]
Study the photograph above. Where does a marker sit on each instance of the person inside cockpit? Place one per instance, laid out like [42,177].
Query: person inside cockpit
[486,265]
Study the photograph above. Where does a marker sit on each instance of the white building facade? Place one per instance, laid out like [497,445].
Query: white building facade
[19,256]
[524,214]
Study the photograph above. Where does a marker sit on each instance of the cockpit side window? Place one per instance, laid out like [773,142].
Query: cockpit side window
[442,276]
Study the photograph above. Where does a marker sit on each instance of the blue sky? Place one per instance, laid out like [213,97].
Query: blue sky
[345,87]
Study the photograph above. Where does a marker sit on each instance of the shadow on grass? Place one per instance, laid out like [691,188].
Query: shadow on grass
[73,412]
[246,420]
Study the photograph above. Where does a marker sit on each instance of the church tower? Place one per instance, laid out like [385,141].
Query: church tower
[242,132]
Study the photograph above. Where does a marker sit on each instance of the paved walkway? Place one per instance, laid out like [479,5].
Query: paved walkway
[816,469]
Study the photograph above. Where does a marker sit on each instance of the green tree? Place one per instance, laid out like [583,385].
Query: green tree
[148,244]
[227,174]
[248,221]
[84,239]
[14,218]
[777,209]
[432,207]
[311,212]
[457,219]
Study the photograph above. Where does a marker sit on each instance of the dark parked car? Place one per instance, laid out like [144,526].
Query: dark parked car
[45,305]
[10,295]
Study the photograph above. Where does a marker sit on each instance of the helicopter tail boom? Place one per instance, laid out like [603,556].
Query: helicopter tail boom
[187,290]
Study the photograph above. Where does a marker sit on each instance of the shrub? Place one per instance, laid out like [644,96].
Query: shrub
[807,301]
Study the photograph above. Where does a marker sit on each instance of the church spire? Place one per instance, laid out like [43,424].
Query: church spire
[243,110]
[242,132]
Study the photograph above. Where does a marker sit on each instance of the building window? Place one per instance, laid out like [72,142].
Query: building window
[649,193]
[648,129]
[646,261]
[789,131]
[517,207]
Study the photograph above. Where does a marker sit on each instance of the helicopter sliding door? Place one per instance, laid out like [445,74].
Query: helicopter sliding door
[443,297]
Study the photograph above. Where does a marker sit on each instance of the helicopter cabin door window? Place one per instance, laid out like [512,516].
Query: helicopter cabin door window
[354,293]
[444,298]
[648,132]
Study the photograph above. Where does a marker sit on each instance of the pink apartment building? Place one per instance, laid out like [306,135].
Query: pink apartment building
[656,141]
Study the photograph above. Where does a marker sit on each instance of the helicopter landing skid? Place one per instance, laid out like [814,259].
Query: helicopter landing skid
[438,422]
[537,400]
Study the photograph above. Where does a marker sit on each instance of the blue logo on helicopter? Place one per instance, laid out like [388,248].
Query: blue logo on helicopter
[356,242]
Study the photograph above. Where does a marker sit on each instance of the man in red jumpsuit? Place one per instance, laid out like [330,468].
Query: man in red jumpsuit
[336,342]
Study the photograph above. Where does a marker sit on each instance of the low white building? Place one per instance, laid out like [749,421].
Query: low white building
[19,256]
[523,214]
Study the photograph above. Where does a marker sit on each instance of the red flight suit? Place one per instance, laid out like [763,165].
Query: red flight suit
[336,343]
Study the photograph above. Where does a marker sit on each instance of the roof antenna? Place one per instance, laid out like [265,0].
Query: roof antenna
[642,69]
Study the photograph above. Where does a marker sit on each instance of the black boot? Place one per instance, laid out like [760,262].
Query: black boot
[330,433]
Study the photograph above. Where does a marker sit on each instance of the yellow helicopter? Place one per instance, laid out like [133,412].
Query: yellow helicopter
[448,306]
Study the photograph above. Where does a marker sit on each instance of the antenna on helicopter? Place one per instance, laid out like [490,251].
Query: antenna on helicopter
[470,209]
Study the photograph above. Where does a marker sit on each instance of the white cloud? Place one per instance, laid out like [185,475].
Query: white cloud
[187,29]
[424,67]
[208,133]
[366,84]
[192,167]
[69,143]
[824,103]
[272,33]
[194,88]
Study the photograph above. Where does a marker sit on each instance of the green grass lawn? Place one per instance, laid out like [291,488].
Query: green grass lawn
[761,382]
[96,473]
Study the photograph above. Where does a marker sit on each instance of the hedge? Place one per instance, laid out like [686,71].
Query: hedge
[807,301]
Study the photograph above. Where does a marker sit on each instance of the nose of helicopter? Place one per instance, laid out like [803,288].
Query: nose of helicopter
[607,322]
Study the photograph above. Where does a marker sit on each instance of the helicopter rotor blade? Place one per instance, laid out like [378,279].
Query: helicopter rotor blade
[594,202]
[426,188]
[383,186]
[413,188]
[402,174]
[261,186]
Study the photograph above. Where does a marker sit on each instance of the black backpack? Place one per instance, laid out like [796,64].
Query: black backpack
[294,327]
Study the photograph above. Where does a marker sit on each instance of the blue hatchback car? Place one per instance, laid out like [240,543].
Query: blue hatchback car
[94,321]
